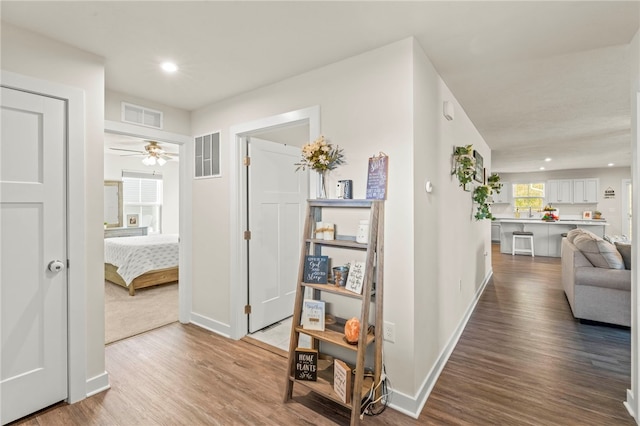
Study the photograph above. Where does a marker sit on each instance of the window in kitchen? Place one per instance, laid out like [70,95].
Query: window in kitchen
[142,195]
[528,195]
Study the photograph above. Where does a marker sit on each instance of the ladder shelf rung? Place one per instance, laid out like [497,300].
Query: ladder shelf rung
[334,337]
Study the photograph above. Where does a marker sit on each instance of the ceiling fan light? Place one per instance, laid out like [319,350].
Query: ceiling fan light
[161,161]
[149,161]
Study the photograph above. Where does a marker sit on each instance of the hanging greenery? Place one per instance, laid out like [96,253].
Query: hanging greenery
[481,196]
[494,182]
[464,164]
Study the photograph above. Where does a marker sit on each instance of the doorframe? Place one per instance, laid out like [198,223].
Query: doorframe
[185,145]
[626,205]
[238,203]
[76,218]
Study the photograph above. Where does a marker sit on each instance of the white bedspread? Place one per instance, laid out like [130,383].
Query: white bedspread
[135,256]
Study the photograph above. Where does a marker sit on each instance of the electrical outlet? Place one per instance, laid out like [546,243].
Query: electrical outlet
[389,332]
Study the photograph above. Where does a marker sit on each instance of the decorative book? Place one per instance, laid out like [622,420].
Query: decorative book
[342,381]
[313,315]
[355,279]
[306,364]
[316,269]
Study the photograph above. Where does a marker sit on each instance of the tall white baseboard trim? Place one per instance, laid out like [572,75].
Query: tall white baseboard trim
[412,406]
[630,404]
[211,324]
[98,384]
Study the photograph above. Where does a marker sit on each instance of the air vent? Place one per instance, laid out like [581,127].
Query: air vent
[136,114]
[207,155]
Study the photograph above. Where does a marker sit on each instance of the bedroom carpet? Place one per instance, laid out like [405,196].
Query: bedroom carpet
[150,308]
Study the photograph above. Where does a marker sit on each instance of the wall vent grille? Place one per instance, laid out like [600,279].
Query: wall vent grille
[136,114]
[207,155]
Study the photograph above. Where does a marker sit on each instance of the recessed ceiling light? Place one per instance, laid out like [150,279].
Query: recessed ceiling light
[169,67]
[541,168]
[547,159]
[610,164]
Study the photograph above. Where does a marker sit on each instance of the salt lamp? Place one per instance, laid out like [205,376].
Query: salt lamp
[352,330]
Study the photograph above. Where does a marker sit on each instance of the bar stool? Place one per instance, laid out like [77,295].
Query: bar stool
[562,237]
[525,235]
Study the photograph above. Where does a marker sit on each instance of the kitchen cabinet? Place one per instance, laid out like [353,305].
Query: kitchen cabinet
[585,190]
[559,191]
[504,197]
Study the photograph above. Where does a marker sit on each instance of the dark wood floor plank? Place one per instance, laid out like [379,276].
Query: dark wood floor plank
[522,360]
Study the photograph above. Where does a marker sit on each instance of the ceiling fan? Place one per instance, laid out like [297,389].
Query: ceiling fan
[153,154]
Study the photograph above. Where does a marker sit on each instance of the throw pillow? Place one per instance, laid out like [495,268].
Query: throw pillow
[571,235]
[600,253]
[625,252]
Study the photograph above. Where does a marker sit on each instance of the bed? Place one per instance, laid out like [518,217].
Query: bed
[139,262]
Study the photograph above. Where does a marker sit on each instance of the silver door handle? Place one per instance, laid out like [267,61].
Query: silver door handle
[55,266]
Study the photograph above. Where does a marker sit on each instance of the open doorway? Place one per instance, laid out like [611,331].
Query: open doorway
[272,206]
[142,253]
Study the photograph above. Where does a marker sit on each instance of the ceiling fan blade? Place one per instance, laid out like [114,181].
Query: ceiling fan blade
[129,150]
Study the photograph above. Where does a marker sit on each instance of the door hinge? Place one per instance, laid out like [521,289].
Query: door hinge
[246,161]
[247,309]
[247,235]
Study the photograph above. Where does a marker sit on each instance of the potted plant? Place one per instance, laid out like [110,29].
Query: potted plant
[597,214]
[494,182]
[464,165]
[481,196]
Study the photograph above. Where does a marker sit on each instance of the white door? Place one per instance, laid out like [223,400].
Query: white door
[277,202]
[33,299]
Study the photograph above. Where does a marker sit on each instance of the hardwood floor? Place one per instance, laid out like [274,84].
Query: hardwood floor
[522,360]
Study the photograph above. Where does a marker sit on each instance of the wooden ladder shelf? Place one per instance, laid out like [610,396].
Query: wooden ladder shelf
[370,334]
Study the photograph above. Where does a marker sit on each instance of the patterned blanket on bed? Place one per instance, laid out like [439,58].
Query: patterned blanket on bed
[135,256]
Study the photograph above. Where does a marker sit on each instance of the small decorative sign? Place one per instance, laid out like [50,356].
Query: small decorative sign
[355,279]
[377,177]
[306,364]
[316,269]
[478,175]
[313,315]
[609,193]
[342,381]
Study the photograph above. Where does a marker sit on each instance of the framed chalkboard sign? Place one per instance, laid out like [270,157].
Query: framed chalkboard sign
[306,364]
[316,269]
[377,177]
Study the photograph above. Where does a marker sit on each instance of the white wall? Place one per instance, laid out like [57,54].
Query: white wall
[114,165]
[29,54]
[608,177]
[367,106]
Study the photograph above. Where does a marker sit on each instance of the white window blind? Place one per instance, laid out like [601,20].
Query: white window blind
[207,155]
[142,195]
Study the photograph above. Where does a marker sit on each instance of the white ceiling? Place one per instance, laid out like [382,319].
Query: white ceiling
[538,79]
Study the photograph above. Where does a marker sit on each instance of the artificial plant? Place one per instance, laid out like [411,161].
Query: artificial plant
[464,164]
[494,182]
[481,196]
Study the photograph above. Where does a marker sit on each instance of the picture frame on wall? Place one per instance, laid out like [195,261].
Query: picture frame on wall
[479,173]
[587,214]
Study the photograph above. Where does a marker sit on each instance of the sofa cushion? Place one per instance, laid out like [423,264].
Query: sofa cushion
[600,253]
[625,252]
[571,235]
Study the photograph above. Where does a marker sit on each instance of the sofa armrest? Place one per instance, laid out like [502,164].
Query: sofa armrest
[615,279]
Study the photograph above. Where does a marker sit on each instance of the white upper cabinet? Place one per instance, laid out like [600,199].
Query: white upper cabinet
[585,190]
[559,191]
[504,197]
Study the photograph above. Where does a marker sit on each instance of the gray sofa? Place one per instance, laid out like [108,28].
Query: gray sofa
[596,278]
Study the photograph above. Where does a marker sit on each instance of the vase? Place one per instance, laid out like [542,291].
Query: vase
[321,190]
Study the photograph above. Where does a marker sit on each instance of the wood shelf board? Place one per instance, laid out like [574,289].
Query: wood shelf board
[341,203]
[324,384]
[339,243]
[333,337]
[332,288]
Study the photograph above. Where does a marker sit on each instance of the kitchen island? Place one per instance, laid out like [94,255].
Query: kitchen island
[547,236]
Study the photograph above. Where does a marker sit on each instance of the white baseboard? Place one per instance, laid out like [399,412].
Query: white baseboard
[211,324]
[98,384]
[630,404]
[412,406]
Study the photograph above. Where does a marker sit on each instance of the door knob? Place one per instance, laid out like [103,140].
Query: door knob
[56,266]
